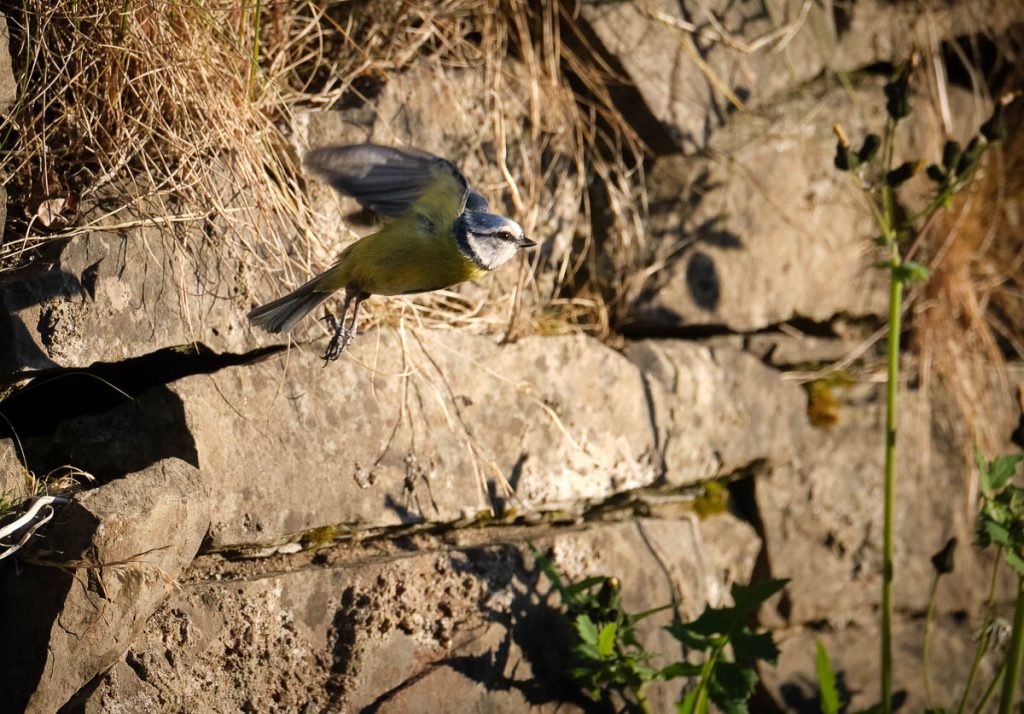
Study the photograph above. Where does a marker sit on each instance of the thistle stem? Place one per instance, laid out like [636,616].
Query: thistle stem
[1014,655]
[895,314]
[979,651]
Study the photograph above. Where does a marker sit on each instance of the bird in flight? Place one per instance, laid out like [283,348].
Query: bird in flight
[437,232]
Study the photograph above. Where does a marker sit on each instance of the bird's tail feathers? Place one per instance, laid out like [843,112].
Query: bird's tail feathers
[283,314]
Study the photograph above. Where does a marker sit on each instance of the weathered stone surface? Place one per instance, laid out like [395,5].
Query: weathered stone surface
[108,561]
[8,85]
[822,516]
[871,31]
[681,72]
[718,411]
[765,229]
[455,628]
[770,229]
[385,437]
[854,654]
[685,93]
[12,474]
[117,294]
[434,433]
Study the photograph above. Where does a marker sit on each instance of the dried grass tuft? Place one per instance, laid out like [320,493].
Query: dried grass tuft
[970,317]
[192,106]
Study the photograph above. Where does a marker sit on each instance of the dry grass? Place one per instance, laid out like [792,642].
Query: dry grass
[970,317]
[193,106]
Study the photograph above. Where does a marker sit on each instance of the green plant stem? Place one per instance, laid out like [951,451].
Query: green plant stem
[979,651]
[895,313]
[641,699]
[1014,655]
[926,673]
[991,688]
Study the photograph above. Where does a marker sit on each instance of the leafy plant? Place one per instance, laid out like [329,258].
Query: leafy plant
[1001,523]
[872,168]
[830,700]
[727,683]
[609,656]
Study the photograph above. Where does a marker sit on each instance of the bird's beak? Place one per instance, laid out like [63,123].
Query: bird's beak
[524,242]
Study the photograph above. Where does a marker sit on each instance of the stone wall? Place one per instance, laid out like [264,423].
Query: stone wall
[264,534]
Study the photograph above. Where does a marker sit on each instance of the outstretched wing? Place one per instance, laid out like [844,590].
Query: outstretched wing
[394,181]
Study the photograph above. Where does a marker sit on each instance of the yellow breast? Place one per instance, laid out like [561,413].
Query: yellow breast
[400,259]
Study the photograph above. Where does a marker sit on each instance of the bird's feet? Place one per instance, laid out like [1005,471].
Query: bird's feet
[340,340]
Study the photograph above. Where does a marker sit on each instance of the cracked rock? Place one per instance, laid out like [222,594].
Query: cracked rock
[92,579]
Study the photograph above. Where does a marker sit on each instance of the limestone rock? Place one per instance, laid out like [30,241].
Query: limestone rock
[822,516]
[680,76]
[107,561]
[118,294]
[719,411]
[385,437]
[438,433]
[8,85]
[766,229]
[450,627]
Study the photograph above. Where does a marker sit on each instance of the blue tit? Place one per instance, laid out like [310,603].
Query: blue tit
[436,232]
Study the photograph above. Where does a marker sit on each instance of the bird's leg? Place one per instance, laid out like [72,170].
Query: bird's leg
[341,338]
[355,314]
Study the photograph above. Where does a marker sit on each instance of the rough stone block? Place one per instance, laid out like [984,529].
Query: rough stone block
[453,627]
[95,575]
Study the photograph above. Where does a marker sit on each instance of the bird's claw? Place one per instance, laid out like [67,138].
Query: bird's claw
[339,341]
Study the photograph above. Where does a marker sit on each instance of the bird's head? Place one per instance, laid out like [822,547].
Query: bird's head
[489,240]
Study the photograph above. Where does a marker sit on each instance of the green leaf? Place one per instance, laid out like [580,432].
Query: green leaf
[996,532]
[1002,469]
[587,630]
[585,584]
[548,568]
[688,704]
[1015,561]
[827,692]
[749,597]
[909,271]
[690,638]
[730,686]
[748,646]
[606,640]
[678,669]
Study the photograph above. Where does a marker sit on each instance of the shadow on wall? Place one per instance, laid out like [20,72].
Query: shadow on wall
[31,598]
[127,435]
[540,631]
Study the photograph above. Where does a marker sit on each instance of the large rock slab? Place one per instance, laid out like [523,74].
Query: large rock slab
[691,65]
[719,411]
[435,427]
[454,627]
[95,575]
[821,515]
[117,293]
[764,229]
[685,79]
